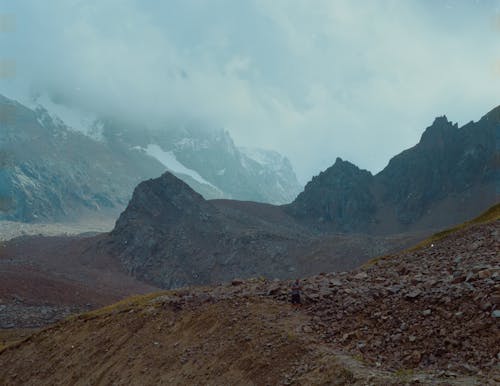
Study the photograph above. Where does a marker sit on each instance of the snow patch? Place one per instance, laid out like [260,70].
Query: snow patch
[267,158]
[168,159]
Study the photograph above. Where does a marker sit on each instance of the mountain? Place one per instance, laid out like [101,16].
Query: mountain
[424,316]
[279,181]
[340,198]
[50,172]
[58,164]
[171,236]
[210,157]
[450,175]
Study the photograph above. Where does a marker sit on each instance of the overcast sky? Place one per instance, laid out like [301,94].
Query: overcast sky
[312,79]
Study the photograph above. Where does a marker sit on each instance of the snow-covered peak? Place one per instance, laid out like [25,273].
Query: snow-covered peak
[69,117]
[267,158]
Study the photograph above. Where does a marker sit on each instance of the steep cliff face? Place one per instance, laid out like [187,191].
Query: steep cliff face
[447,161]
[450,175]
[339,197]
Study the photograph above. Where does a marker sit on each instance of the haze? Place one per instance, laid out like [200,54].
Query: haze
[311,79]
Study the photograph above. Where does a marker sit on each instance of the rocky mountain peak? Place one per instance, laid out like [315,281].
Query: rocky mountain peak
[493,115]
[450,167]
[440,131]
[340,197]
[162,200]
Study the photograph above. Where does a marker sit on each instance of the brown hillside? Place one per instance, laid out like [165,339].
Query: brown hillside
[427,316]
[44,279]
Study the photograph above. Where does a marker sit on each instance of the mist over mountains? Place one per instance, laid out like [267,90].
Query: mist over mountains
[170,236]
[62,171]
[257,192]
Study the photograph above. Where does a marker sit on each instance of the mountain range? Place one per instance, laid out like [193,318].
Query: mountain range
[56,165]
[451,174]
[171,236]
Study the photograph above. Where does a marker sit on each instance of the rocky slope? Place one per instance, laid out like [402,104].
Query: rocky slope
[56,165]
[449,176]
[425,316]
[170,236]
[45,279]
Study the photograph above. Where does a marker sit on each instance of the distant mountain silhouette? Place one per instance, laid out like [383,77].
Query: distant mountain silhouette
[450,175]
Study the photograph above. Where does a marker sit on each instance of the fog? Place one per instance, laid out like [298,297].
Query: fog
[311,79]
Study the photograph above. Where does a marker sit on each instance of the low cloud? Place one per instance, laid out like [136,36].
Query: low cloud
[314,80]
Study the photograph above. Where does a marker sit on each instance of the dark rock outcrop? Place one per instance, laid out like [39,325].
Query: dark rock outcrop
[450,175]
[170,236]
[340,196]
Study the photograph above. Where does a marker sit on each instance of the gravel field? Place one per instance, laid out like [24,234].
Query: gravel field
[11,229]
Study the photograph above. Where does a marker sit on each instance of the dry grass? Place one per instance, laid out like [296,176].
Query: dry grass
[124,305]
[9,337]
[492,214]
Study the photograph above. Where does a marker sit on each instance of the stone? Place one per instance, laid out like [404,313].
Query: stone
[496,314]
[416,357]
[484,274]
[413,294]
[274,291]
[458,279]
[495,299]
[361,276]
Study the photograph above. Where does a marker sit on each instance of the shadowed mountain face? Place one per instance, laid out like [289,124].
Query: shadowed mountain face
[450,175]
[170,236]
[340,197]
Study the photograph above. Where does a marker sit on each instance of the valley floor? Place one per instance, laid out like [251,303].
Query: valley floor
[12,229]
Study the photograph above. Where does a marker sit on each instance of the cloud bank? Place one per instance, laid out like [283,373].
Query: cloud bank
[311,79]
